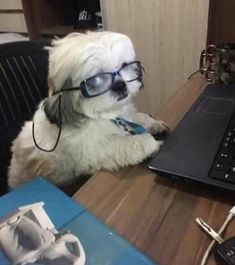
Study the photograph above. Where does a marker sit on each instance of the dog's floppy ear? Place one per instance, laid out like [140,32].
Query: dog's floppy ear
[51,109]
[62,105]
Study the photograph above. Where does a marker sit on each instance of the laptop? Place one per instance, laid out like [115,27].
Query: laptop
[202,147]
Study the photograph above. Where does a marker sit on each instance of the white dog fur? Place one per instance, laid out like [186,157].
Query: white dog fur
[89,140]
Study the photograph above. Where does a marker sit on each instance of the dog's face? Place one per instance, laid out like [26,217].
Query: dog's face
[79,57]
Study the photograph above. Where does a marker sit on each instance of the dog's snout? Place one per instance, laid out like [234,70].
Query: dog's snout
[119,89]
[119,85]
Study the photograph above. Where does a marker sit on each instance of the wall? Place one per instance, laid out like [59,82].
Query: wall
[168,36]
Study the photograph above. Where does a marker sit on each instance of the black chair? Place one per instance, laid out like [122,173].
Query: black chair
[23,83]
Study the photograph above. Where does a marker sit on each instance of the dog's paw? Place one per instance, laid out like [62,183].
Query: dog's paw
[159,127]
[153,126]
[158,145]
[151,146]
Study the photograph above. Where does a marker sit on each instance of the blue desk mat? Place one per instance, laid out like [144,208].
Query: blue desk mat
[101,244]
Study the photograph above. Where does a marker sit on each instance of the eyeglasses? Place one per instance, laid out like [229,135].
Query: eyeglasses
[101,83]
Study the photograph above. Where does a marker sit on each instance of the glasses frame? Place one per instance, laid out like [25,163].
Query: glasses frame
[113,74]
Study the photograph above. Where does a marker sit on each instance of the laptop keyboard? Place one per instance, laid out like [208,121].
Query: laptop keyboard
[224,166]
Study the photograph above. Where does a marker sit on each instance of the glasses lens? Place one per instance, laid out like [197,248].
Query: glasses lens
[98,84]
[131,72]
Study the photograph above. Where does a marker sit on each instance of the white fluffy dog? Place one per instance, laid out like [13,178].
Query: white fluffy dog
[92,137]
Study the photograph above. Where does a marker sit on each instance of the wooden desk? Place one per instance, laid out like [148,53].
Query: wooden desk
[154,213]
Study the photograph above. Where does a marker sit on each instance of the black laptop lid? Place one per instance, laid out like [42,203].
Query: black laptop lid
[191,148]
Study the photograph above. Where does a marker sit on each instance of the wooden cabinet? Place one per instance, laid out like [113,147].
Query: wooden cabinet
[221,22]
[47,18]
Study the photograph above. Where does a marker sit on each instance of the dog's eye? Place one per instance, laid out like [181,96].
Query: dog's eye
[99,83]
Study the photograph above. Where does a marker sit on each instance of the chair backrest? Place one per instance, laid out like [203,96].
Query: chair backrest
[23,83]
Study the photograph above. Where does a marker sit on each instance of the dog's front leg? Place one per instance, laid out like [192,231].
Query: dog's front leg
[153,126]
[133,149]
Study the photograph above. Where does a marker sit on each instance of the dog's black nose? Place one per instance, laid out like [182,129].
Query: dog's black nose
[119,86]
[119,90]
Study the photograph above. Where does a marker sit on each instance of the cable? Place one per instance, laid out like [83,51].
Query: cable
[221,230]
[198,71]
[66,90]
[59,133]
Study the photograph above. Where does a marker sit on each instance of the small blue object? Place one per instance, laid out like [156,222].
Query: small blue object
[101,244]
[130,127]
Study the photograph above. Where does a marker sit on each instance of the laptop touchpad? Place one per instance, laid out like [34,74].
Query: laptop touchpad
[214,105]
